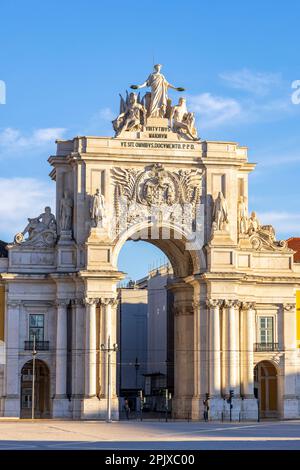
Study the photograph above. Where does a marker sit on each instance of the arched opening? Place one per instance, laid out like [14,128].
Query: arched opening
[266,389]
[155,343]
[41,389]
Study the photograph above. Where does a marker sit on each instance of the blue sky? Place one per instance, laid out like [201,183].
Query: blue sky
[64,63]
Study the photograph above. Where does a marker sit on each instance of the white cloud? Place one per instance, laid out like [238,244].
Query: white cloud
[259,83]
[105,114]
[13,140]
[22,198]
[287,223]
[214,110]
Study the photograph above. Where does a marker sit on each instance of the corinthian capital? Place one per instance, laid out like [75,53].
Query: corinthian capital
[112,301]
[91,301]
[214,303]
[248,305]
[62,302]
[288,307]
[232,304]
[14,303]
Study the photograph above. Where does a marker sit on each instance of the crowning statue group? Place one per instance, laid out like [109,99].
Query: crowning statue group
[156,104]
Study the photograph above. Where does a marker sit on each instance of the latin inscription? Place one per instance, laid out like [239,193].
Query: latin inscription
[158,145]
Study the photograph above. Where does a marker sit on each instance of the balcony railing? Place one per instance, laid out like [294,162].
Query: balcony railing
[262,347]
[39,345]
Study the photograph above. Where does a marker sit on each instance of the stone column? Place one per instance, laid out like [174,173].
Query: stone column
[231,327]
[109,311]
[248,314]
[214,348]
[197,348]
[184,359]
[90,347]
[287,384]
[12,375]
[61,349]
[78,348]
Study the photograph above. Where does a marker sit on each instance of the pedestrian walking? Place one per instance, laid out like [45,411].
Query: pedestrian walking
[127,408]
[206,409]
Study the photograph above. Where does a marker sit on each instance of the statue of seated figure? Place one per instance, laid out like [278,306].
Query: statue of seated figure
[183,120]
[44,222]
[132,115]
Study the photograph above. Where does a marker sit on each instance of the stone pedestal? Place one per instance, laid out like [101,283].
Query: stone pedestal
[12,407]
[220,238]
[93,408]
[61,408]
[291,408]
[182,407]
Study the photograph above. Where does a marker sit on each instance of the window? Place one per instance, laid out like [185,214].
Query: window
[36,327]
[266,330]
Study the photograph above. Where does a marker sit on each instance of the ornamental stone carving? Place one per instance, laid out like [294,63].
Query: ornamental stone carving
[183,122]
[91,301]
[156,186]
[289,307]
[214,303]
[132,115]
[242,216]
[41,231]
[66,212]
[112,301]
[97,209]
[232,304]
[62,302]
[155,110]
[248,305]
[157,101]
[220,213]
[261,237]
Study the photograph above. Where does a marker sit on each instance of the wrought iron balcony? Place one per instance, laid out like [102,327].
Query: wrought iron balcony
[262,347]
[39,345]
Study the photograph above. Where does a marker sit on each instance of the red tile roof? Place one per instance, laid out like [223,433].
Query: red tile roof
[294,244]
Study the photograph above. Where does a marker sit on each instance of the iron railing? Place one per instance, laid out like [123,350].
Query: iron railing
[39,345]
[262,347]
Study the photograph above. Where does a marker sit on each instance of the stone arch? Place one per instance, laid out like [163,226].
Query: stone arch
[42,389]
[185,261]
[266,378]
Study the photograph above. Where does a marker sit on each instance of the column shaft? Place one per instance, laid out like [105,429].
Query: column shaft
[90,348]
[61,349]
[214,349]
[249,356]
[232,362]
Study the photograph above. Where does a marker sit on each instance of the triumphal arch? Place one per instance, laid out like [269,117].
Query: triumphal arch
[156,180]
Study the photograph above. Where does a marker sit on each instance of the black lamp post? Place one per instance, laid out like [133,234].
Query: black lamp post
[137,366]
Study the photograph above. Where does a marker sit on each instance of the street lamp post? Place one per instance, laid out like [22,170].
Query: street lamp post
[33,378]
[137,366]
[109,350]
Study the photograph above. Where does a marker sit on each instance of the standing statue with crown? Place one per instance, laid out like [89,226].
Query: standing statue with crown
[134,111]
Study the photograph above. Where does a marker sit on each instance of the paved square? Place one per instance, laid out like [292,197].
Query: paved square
[152,435]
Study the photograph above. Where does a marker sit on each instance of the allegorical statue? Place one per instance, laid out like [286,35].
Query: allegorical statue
[66,211]
[132,115]
[97,209]
[242,216]
[159,92]
[253,223]
[183,120]
[220,213]
[36,226]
